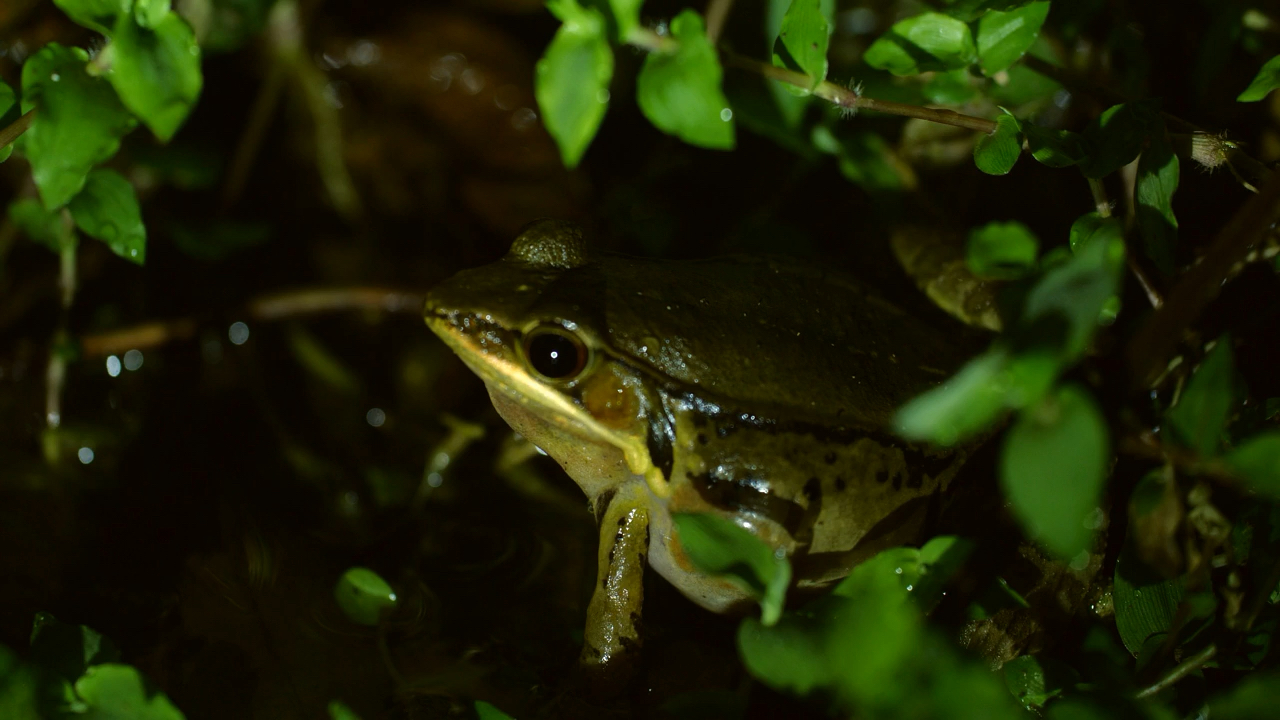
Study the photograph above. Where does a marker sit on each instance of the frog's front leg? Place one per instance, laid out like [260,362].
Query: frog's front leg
[611,642]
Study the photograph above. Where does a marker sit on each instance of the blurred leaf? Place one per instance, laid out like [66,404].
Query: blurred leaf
[363,595]
[865,158]
[156,71]
[66,649]
[718,546]
[1267,79]
[1117,136]
[935,563]
[320,363]
[680,92]
[119,692]
[931,41]
[706,705]
[218,240]
[107,209]
[1024,86]
[1054,148]
[41,226]
[1256,697]
[1053,466]
[1156,183]
[969,10]
[1076,293]
[1200,417]
[79,125]
[97,15]
[1025,678]
[1091,226]
[1257,459]
[1002,250]
[802,40]
[18,688]
[8,102]
[950,88]
[1145,603]
[150,13]
[231,23]
[789,655]
[968,402]
[572,79]
[339,711]
[1003,37]
[995,154]
[485,711]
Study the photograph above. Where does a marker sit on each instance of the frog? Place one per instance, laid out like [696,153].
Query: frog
[759,389]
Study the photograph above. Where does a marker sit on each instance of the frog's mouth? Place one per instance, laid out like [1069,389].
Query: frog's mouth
[489,349]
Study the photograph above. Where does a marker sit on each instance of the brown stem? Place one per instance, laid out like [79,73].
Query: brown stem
[275,306]
[717,13]
[16,128]
[1183,669]
[846,98]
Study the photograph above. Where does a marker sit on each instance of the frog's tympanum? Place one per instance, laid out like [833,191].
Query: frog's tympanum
[758,389]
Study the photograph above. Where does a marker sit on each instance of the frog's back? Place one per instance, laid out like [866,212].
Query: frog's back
[774,336]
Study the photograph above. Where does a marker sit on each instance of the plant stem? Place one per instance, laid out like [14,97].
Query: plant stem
[1183,669]
[850,99]
[717,13]
[16,128]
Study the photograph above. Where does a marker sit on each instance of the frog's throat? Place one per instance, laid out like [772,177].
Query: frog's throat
[500,372]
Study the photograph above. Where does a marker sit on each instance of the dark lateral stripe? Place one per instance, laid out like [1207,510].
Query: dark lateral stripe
[736,495]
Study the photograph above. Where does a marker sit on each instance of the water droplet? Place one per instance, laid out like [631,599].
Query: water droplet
[375,417]
[726,114]
[238,333]
[133,360]
[55,77]
[113,366]
[85,454]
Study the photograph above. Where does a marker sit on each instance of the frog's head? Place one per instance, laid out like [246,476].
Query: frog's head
[530,325]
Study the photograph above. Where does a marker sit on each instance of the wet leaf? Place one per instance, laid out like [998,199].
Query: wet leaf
[1200,417]
[1003,37]
[995,154]
[1053,466]
[719,546]
[680,92]
[572,79]
[107,209]
[156,72]
[1267,79]
[931,41]
[363,595]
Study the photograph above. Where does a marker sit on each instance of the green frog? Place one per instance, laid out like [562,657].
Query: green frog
[758,389]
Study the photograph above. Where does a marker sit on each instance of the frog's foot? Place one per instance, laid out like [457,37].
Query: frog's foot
[611,641]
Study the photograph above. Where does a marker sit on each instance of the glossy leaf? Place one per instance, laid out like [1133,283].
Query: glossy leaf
[1145,603]
[1156,183]
[802,40]
[1117,136]
[1200,417]
[79,125]
[1053,466]
[1054,148]
[1025,678]
[1267,79]
[718,546]
[1002,250]
[8,104]
[120,692]
[157,72]
[680,92]
[996,153]
[571,82]
[107,209]
[931,41]
[100,15]
[1003,37]
[151,13]
[1257,459]
[363,595]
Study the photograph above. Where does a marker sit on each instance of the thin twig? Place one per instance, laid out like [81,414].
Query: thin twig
[1183,669]
[849,99]
[16,128]
[717,13]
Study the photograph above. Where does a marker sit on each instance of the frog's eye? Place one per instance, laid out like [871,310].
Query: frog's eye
[555,353]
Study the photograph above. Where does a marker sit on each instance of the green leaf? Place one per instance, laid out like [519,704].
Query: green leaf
[1267,79]
[1200,417]
[1003,37]
[718,546]
[151,13]
[970,10]
[1092,227]
[485,711]
[1253,698]
[950,88]
[119,692]
[41,226]
[19,688]
[864,156]
[1054,148]
[68,650]
[1002,250]
[802,40]
[1156,183]
[1257,459]
[157,72]
[571,82]
[97,15]
[363,595]
[339,711]
[680,92]
[789,655]
[964,405]
[79,124]
[1067,304]
[1025,678]
[8,101]
[995,154]
[1052,468]
[1117,136]
[107,209]
[926,42]
[1145,603]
